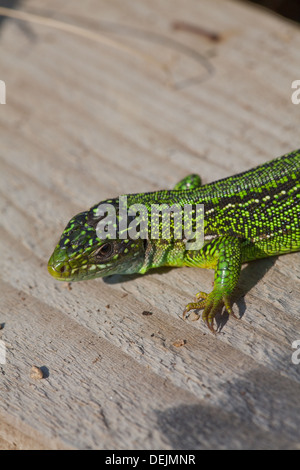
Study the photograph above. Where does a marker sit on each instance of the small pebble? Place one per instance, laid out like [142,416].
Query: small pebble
[36,373]
[146,312]
[179,343]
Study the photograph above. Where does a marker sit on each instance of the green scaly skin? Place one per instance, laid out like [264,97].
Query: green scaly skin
[248,216]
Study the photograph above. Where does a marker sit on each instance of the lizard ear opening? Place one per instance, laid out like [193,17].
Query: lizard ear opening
[105,251]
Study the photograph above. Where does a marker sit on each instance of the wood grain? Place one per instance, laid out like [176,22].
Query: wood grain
[83,122]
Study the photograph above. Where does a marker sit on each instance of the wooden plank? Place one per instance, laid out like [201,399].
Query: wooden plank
[83,122]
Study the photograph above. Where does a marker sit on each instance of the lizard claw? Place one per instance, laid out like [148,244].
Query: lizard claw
[210,304]
[194,306]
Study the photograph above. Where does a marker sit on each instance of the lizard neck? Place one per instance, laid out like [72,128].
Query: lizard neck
[163,253]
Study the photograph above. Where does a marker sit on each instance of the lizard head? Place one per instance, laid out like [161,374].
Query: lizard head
[86,250]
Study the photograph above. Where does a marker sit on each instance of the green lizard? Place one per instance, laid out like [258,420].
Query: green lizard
[248,216]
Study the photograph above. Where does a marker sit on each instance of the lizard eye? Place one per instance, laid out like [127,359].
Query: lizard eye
[105,251]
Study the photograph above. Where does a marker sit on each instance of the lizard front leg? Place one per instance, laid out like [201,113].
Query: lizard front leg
[223,254]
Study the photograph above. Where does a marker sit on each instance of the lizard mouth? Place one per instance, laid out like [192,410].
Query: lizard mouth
[62,268]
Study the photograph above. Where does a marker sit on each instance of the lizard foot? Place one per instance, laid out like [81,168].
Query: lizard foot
[210,303]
